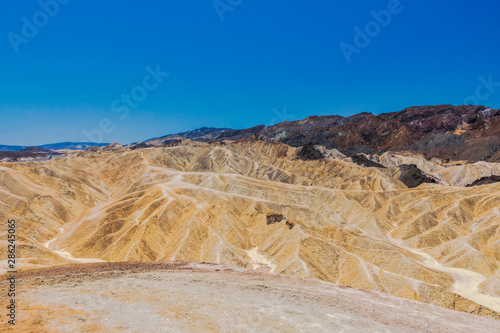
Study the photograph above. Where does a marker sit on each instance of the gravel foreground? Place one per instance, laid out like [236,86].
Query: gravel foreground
[191,297]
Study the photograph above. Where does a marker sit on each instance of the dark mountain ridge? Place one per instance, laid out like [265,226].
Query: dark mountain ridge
[464,132]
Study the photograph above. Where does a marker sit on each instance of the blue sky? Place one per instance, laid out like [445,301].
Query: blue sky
[266,61]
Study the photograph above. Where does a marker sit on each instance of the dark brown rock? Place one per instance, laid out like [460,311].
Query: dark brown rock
[412,176]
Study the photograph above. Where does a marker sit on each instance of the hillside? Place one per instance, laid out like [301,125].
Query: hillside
[253,203]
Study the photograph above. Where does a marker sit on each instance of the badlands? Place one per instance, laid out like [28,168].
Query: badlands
[305,221]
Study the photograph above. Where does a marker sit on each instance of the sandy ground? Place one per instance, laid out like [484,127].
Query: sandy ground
[189,297]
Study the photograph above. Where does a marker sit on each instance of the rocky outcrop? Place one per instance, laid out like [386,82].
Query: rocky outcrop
[141,145]
[363,161]
[113,146]
[309,153]
[412,176]
[485,181]
[275,218]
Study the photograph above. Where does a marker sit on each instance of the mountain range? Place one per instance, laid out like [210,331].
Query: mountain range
[56,146]
[469,133]
[452,133]
[404,203]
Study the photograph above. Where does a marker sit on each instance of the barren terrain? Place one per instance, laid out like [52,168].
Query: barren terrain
[256,204]
[189,297]
[406,204]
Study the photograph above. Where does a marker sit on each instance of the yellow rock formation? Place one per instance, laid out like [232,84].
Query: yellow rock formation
[254,204]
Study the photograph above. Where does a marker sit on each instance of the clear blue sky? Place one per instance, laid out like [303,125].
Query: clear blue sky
[264,55]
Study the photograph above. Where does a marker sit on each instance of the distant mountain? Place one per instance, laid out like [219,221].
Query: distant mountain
[30,153]
[11,148]
[202,134]
[466,132]
[35,150]
[56,146]
[72,145]
[448,132]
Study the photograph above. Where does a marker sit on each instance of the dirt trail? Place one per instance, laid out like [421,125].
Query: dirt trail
[66,254]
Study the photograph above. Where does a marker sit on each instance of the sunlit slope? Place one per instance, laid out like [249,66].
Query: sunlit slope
[253,203]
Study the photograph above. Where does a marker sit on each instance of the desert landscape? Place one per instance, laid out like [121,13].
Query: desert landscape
[250,166]
[403,207]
